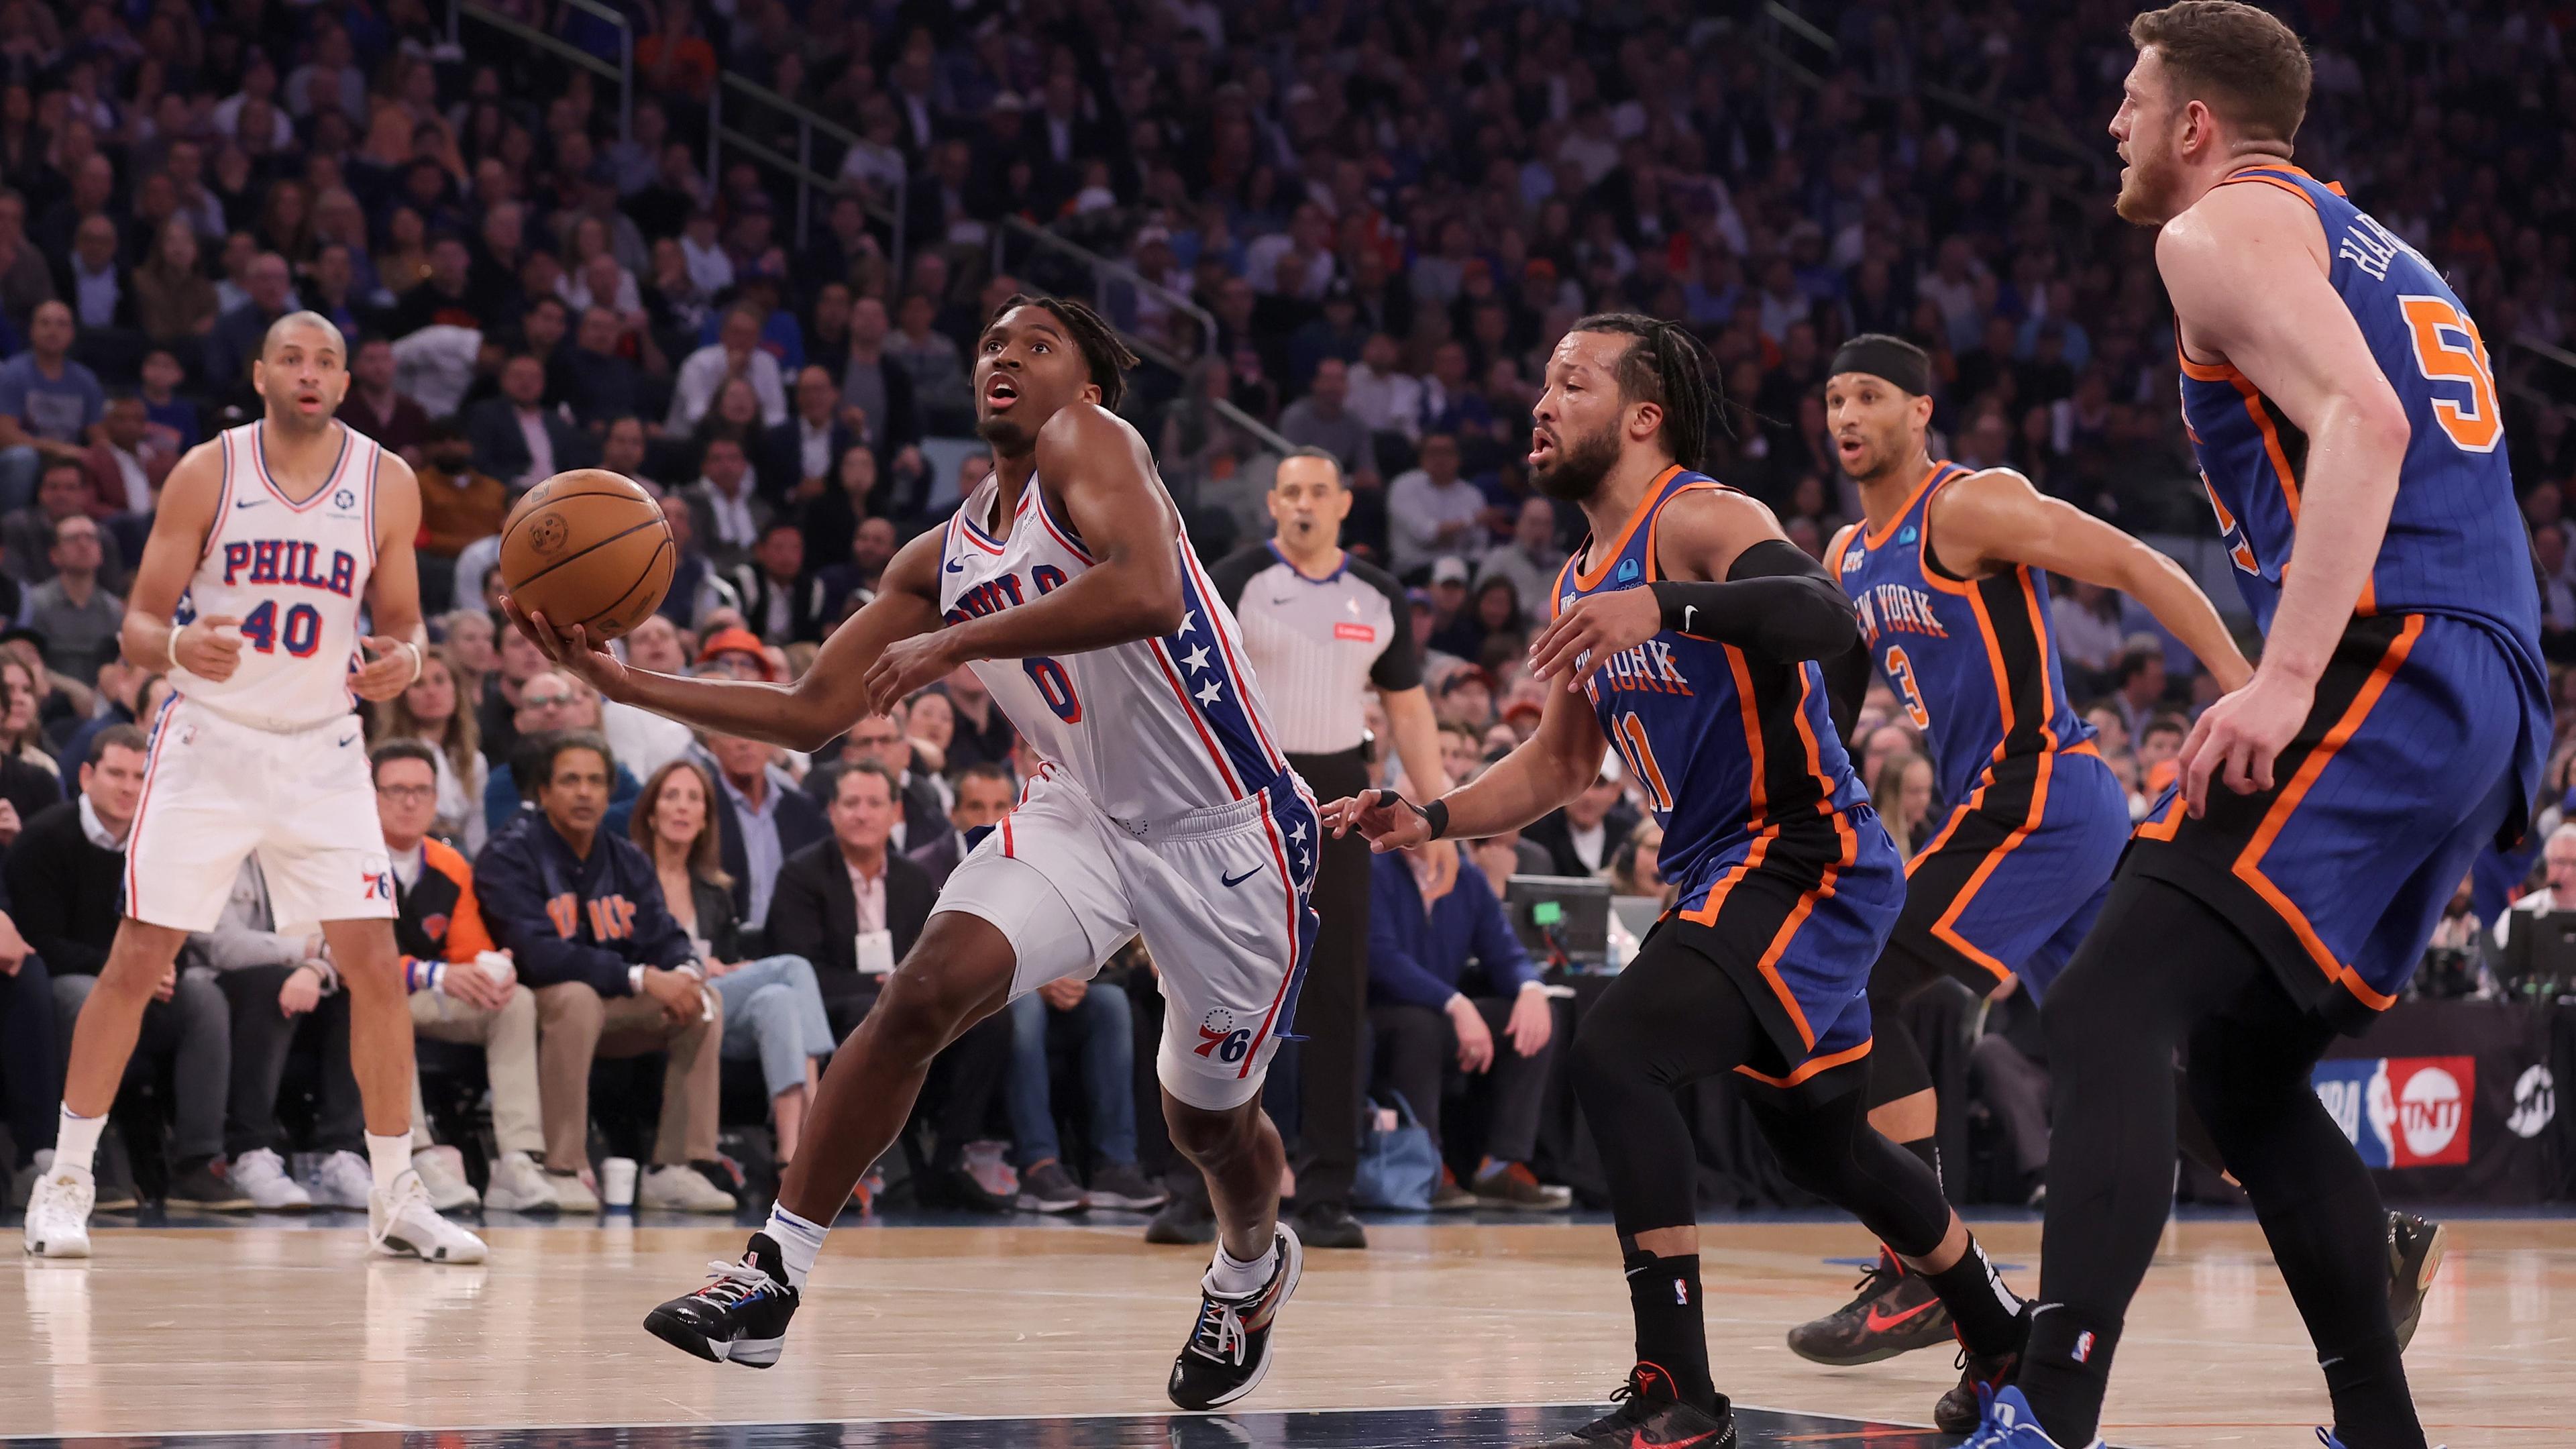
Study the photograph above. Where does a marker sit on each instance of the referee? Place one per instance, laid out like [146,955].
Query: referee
[1323,628]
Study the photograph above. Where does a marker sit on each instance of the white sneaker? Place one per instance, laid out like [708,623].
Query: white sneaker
[343,1180]
[58,1213]
[402,1224]
[261,1177]
[519,1185]
[442,1172]
[681,1189]
[572,1191]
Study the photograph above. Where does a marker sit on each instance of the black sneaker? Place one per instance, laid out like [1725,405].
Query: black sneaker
[1980,1377]
[1649,1415]
[740,1316]
[2415,1249]
[1895,1312]
[1184,1220]
[1048,1188]
[204,1188]
[1119,1185]
[1229,1347]
[1329,1225]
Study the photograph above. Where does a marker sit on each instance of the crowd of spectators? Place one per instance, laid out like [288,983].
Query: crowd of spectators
[1353,229]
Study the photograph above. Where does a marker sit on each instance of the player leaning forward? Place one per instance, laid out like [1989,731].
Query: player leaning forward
[1163,810]
[268,541]
[1694,630]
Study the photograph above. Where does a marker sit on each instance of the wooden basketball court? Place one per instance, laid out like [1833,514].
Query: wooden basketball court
[1060,1335]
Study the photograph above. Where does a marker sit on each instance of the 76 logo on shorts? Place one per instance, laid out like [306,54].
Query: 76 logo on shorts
[1220,1039]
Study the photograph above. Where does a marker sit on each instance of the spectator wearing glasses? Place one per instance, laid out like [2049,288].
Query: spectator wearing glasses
[73,609]
[582,914]
[462,990]
[549,704]
[882,738]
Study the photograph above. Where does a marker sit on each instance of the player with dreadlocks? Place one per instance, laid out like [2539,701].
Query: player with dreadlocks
[1691,636]
[1066,583]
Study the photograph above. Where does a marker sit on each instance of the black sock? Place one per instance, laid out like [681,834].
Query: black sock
[2373,1409]
[1664,1293]
[1929,1150]
[1987,1312]
[2065,1369]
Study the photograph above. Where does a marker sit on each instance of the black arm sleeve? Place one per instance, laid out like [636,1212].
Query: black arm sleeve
[1776,601]
[1846,684]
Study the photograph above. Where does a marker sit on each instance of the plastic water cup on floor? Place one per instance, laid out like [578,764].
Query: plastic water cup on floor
[617,1182]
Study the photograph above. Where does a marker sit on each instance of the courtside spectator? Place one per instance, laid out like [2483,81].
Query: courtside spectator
[1094,1024]
[765,819]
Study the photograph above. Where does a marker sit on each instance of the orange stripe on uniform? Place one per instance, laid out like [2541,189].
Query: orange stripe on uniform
[1945,929]
[2249,864]
[1808,1068]
[1611,551]
[1756,795]
[1769,965]
[1655,517]
[2291,187]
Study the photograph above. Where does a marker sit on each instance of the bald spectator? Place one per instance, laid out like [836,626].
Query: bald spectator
[240,333]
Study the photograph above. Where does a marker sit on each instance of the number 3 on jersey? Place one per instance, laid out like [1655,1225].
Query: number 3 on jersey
[303,632]
[1901,670]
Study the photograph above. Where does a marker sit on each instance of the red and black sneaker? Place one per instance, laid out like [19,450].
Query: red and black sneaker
[1649,1417]
[739,1317]
[1229,1347]
[1981,1377]
[1895,1312]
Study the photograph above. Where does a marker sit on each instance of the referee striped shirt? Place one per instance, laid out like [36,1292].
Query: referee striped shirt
[1319,645]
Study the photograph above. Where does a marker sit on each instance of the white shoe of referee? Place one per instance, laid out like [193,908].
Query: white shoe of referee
[402,1224]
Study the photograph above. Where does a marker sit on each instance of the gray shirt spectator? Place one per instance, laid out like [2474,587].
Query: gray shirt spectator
[71,610]
[1320,420]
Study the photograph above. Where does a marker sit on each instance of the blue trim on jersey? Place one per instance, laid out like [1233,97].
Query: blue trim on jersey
[1197,658]
[330,480]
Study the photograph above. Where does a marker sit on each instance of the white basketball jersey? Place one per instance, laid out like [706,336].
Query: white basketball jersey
[1151,729]
[295,575]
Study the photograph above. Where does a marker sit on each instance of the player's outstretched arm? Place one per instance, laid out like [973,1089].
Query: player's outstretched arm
[2247,273]
[1997,518]
[1730,575]
[1549,768]
[1132,590]
[802,716]
[180,526]
[395,650]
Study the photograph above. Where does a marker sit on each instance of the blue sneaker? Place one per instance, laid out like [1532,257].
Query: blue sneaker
[2007,1423]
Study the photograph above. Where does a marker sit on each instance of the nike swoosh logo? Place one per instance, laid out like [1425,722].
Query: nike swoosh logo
[956,566]
[1236,880]
[1876,1322]
[1642,1442]
[1687,611]
[348,740]
[250,503]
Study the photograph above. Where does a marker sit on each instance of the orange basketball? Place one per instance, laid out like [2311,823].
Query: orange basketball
[588,547]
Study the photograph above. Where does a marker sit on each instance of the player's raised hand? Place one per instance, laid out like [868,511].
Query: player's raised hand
[209,648]
[2238,738]
[571,650]
[1384,818]
[392,664]
[1577,642]
[907,665]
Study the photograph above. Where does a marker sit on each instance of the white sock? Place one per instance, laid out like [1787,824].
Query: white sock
[799,1242]
[76,1139]
[390,1157]
[1229,1277]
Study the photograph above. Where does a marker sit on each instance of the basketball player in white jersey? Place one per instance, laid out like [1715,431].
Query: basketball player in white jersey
[268,540]
[1163,810]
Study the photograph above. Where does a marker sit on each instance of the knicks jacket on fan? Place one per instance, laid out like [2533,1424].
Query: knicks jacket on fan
[565,918]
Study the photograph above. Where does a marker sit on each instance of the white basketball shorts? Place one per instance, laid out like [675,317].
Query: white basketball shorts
[215,790]
[1219,895]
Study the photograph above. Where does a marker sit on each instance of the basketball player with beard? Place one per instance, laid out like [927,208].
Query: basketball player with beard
[1688,635]
[2344,413]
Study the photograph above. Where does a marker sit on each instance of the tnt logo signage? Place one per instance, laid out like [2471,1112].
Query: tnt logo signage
[2401,1111]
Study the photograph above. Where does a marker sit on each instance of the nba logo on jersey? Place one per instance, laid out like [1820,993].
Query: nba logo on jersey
[2401,1111]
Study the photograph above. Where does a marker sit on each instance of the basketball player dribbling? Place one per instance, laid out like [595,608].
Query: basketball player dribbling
[2345,416]
[267,542]
[1163,809]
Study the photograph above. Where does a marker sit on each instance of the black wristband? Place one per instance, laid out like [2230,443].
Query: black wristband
[1437,814]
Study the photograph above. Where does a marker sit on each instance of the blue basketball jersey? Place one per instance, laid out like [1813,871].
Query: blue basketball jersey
[2455,542]
[1726,745]
[1973,661]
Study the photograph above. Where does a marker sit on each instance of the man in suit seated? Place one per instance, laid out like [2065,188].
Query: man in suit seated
[984,795]
[765,820]
[516,437]
[798,457]
[853,907]
[726,513]
[919,821]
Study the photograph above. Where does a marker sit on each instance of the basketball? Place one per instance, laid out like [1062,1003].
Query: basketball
[588,547]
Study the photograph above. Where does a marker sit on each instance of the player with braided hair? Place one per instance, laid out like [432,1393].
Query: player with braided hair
[1690,635]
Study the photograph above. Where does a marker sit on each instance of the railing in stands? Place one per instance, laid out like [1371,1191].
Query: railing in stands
[799,168]
[2538,371]
[622,70]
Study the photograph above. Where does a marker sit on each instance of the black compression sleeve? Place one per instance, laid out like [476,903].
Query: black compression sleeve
[1775,601]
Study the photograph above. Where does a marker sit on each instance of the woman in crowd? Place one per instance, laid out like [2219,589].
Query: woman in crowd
[1902,794]
[772,1008]
[930,721]
[1634,870]
[469,650]
[22,734]
[174,300]
[429,712]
